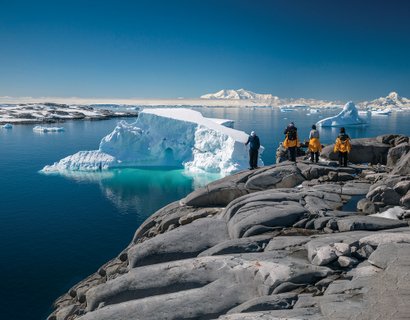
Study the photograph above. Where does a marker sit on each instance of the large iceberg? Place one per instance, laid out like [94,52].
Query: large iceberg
[165,137]
[347,117]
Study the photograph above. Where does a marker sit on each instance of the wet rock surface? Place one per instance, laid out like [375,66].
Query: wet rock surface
[273,243]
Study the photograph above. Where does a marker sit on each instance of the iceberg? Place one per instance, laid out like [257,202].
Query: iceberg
[7,126]
[347,117]
[165,138]
[47,129]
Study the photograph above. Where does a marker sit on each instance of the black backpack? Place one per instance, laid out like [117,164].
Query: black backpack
[292,134]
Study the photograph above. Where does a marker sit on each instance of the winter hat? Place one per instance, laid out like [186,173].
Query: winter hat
[253,133]
[314,127]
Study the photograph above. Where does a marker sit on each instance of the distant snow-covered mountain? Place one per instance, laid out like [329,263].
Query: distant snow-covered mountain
[392,101]
[240,94]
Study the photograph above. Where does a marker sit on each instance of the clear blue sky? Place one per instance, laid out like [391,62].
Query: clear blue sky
[304,48]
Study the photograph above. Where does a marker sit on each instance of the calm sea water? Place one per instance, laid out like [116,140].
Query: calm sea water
[56,230]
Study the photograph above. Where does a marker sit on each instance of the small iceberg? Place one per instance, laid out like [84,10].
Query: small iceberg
[364,112]
[47,129]
[381,112]
[7,126]
[347,117]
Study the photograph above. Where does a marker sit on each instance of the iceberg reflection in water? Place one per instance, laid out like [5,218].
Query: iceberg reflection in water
[141,189]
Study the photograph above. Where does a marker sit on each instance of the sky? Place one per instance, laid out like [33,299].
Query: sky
[327,49]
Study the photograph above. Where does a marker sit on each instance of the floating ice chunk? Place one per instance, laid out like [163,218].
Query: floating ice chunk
[347,117]
[8,126]
[48,129]
[166,137]
[94,160]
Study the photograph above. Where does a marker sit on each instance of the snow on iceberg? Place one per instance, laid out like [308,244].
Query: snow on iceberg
[347,117]
[165,137]
[47,129]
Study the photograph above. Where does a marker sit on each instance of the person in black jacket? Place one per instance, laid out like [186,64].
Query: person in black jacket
[254,145]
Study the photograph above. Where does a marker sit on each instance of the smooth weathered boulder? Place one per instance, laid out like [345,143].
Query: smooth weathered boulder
[272,302]
[386,237]
[184,242]
[251,244]
[402,167]
[384,194]
[368,223]
[402,187]
[346,262]
[173,214]
[405,200]
[387,138]
[220,192]
[395,153]
[385,254]
[325,255]
[268,214]
[286,242]
[262,196]
[285,176]
[367,206]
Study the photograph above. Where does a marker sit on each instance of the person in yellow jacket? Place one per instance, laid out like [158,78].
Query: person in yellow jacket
[291,142]
[314,146]
[343,147]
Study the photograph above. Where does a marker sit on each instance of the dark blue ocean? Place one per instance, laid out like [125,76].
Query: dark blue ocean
[55,230]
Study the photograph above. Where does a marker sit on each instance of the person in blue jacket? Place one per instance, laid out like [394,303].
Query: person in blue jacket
[254,145]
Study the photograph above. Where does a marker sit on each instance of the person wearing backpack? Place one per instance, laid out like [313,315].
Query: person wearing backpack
[343,147]
[314,145]
[291,141]
[254,145]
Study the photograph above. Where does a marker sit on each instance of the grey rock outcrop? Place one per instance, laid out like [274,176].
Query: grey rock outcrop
[272,243]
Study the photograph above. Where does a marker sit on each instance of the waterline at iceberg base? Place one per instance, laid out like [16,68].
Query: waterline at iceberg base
[165,138]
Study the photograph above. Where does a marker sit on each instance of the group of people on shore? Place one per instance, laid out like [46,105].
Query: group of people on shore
[291,144]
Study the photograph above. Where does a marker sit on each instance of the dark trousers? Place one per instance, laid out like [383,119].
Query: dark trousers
[253,158]
[343,159]
[314,157]
[292,153]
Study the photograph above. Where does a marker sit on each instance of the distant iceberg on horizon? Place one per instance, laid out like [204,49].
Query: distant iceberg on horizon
[165,138]
[240,94]
[349,116]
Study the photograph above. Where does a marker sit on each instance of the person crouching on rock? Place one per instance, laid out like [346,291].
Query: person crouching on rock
[314,145]
[343,146]
[254,145]
[291,141]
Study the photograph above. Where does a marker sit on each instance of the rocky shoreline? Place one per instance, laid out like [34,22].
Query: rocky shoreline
[276,242]
[54,112]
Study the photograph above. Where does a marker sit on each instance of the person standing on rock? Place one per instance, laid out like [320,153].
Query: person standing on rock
[314,145]
[291,142]
[343,147]
[254,145]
